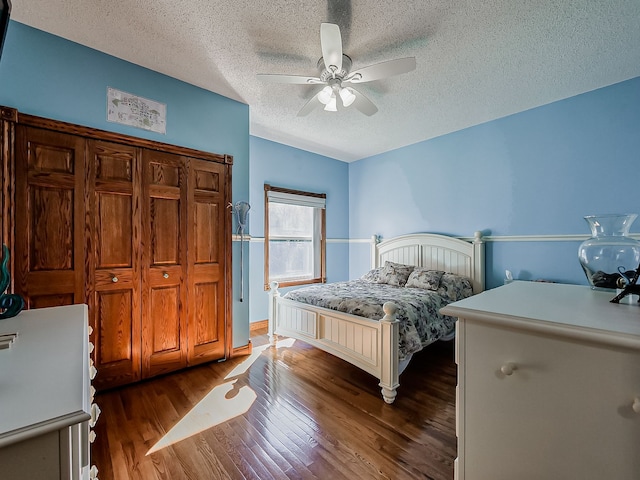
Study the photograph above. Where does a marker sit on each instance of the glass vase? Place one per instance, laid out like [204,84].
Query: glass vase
[610,257]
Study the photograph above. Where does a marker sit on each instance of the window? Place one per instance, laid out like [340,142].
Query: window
[294,238]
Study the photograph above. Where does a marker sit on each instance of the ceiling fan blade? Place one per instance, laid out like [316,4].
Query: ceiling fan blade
[382,70]
[331,42]
[363,104]
[309,106]
[292,79]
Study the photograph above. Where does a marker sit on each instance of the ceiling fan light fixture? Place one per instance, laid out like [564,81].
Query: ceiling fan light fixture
[335,71]
[332,106]
[347,97]
[325,95]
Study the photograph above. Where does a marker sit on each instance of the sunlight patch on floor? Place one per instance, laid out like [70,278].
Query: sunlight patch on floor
[221,404]
[242,368]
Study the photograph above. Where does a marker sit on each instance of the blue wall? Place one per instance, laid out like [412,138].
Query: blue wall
[532,174]
[45,75]
[526,180]
[289,167]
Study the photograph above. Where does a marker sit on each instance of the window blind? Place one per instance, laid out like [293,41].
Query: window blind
[294,199]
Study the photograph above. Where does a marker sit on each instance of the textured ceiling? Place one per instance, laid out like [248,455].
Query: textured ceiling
[477,60]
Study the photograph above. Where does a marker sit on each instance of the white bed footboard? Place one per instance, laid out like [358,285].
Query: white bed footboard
[370,345]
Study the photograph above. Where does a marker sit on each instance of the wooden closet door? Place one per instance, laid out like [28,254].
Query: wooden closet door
[209,229]
[114,261]
[164,258]
[49,218]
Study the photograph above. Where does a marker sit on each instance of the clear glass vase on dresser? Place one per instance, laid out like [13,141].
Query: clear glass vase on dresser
[610,255]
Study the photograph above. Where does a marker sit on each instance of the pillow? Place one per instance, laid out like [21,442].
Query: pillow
[454,287]
[422,277]
[372,276]
[395,274]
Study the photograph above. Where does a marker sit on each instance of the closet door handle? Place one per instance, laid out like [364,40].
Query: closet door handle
[508,368]
[165,275]
[636,405]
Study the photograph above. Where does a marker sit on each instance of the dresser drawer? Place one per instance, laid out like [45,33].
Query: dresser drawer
[537,406]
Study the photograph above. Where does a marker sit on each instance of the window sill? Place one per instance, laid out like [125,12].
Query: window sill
[297,283]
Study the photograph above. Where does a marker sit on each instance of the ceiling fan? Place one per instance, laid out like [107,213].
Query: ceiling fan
[336,75]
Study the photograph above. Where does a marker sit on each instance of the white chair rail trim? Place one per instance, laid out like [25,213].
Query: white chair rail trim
[489,238]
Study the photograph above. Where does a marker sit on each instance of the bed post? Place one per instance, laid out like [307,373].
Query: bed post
[478,260]
[375,240]
[389,376]
[273,296]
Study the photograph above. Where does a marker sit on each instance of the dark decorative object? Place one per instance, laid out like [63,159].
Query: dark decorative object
[10,304]
[630,288]
[5,13]
[609,254]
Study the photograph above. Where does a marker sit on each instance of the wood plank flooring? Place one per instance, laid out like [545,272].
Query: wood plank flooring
[294,413]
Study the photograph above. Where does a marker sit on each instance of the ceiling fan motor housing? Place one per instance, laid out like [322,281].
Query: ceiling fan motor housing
[326,74]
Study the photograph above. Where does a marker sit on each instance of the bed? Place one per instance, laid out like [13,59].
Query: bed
[376,345]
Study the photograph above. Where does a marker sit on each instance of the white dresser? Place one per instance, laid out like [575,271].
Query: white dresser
[548,384]
[45,397]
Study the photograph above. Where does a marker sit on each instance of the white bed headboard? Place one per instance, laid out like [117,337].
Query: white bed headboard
[437,252]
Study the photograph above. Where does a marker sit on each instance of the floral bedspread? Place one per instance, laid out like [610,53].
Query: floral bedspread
[418,309]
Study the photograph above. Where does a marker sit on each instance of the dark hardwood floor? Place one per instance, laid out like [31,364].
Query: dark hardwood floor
[295,412]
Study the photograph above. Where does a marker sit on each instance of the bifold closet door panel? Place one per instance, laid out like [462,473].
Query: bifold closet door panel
[209,221]
[50,230]
[115,261]
[164,258]
[138,230]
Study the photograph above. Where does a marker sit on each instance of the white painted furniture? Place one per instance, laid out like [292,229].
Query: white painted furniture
[45,397]
[548,384]
[370,344]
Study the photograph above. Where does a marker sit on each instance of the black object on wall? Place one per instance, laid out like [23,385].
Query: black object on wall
[5,11]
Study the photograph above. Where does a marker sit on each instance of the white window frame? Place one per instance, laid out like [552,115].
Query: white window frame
[308,199]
